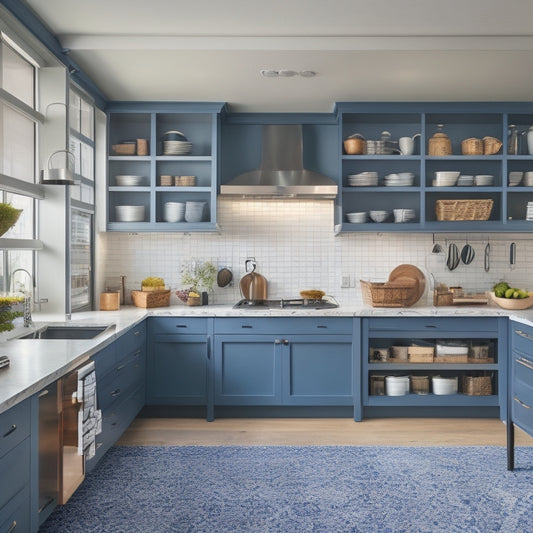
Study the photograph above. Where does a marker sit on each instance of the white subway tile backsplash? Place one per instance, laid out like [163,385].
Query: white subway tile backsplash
[295,248]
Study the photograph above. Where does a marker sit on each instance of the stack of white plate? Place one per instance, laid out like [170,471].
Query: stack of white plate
[404,215]
[515,178]
[176,147]
[397,385]
[528,179]
[465,181]
[444,385]
[357,218]
[445,178]
[129,213]
[194,211]
[379,216]
[403,179]
[529,212]
[484,180]
[363,179]
[128,181]
[174,211]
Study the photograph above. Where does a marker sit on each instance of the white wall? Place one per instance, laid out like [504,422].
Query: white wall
[295,248]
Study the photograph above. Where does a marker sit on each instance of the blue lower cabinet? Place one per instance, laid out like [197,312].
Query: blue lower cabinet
[247,370]
[16,515]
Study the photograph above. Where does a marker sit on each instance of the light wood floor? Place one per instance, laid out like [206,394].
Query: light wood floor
[323,431]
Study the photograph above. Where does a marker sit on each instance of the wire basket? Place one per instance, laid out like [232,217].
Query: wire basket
[463,209]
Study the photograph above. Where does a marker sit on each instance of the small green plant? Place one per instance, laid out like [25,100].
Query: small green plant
[199,276]
[6,314]
[8,217]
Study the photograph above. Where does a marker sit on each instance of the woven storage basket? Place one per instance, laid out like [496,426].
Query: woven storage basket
[151,298]
[420,384]
[125,149]
[472,146]
[491,145]
[166,181]
[440,145]
[384,295]
[377,385]
[463,209]
[477,385]
[109,301]
[185,181]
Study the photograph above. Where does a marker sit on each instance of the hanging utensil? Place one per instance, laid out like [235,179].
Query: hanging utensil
[512,255]
[467,254]
[453,257]
[487,257]
[437,248]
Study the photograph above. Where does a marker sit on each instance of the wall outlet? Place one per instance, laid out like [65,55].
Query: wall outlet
[345,282]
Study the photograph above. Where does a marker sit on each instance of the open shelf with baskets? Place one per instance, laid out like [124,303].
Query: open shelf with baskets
[476,137]
[157,173]
[444,363]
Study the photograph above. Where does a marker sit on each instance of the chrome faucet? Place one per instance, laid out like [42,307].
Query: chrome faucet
[27,296]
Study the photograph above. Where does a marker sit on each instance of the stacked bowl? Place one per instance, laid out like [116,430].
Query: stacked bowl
[404,215]
[515,178]
[129,213]
[528,179]
[174,211]
[445,178]
[363,179]
[379,216]
[175,143]
[357,218]
[128,181]
[484,180]
[402,179]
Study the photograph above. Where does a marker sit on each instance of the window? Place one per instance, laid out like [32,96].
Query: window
[18,139]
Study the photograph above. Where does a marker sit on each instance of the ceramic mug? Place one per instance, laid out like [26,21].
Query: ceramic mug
[407,145]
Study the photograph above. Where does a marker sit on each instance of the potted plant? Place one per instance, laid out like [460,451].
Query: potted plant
[8,217]
[7,314]
[200,277]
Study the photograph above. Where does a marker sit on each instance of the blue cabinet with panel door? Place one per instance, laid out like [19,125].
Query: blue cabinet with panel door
[520,409]
[179,362]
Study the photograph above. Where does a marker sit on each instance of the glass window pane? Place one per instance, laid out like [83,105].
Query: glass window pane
[23,229]
[75,148]
[81,259]
[87,194]
[20,282]
[17,145]
[87,119]
[17,75]
[74,110]
[87,161]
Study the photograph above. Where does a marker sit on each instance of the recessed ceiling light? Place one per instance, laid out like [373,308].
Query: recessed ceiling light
[307,73]
[287,73]
[269,73]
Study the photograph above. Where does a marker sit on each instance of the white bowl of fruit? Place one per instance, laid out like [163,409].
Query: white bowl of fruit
[512,298]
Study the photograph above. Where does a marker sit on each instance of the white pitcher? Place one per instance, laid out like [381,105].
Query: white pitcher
[407,144]
[530,140]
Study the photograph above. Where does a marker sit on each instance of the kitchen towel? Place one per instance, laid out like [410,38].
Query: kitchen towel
[89,416]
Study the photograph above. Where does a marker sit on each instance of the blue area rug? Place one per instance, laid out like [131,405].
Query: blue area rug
[285,489]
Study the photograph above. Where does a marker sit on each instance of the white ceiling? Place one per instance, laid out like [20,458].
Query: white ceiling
[362,50]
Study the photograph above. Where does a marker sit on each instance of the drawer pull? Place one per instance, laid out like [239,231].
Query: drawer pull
[285,342]
[10,430]
[525,363]
[523,334]
[246,326]
[431,327]
[120,367]
[322,327]
[277,341]
[522,403]
[13,527]
[181,325]
[137,332]
[116,392]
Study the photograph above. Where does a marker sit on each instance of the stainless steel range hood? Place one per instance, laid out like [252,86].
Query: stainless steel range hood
[281,174]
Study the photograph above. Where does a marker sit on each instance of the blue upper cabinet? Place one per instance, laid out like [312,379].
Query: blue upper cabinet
[162,169]
[460,138]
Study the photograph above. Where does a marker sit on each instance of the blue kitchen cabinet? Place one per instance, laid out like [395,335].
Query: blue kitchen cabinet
[179,362]
[120,380]
[279,361]
[520,407]
[380,335]
[148,121]
[16,510]
[460,121]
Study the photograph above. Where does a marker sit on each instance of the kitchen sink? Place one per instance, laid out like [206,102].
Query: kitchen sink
[74,332]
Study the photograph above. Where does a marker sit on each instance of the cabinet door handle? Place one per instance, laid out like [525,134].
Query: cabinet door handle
[43,393]
[525,363]
[523,334]
[277,341]
[522,403]
[137,353]
[430,326]
[13,527]
[322,327]
[137,332]
[10,430]
[246,326]
[120,367]
[116,392]
[285,342]
[181,325]
[209,347]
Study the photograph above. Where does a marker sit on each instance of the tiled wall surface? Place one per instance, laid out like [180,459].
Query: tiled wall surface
[295,248]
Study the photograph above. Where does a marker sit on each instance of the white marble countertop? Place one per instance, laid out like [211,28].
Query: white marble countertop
[35,363]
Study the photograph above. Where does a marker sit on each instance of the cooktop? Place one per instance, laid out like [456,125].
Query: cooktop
[287,303]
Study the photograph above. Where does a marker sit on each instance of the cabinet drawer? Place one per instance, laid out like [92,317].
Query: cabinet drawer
[16,514]
[284,326]
[522,339]
[131,340]
[435,324]
[522,406]
[14,426]
[177,325]
[523,369]
[14,471]
[105,360]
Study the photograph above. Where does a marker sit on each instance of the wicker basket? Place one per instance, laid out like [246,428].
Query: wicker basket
[477,385]
[166,181]
[109,301]
[491,145]
[142,146]
[463,209]
[420,384]
[151,299]
[472,146]
[386,295]
[124,149]
[440,145]
[185,181]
